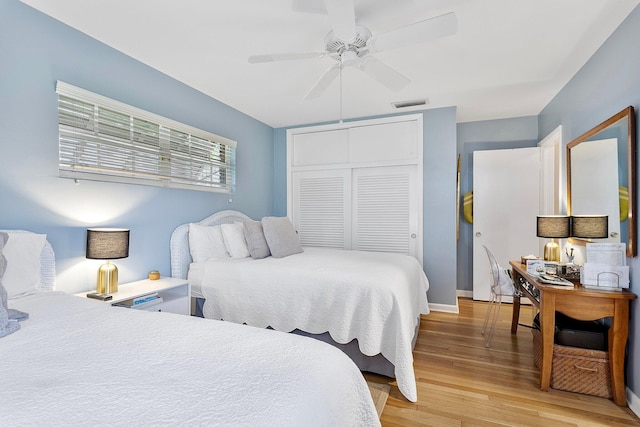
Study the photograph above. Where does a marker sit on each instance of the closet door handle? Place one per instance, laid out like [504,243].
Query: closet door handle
[478,234]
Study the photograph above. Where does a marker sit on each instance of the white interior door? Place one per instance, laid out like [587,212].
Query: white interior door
[506,188]
[551,190]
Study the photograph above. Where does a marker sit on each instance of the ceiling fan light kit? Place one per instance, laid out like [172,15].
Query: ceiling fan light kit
[354,45]
[336,46]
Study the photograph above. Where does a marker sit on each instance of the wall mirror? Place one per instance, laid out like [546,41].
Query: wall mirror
[601,177]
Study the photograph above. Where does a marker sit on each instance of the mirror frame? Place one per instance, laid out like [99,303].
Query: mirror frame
[629,114]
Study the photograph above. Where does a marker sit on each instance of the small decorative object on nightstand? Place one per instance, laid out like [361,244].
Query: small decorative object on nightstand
[107,244]
[154,275]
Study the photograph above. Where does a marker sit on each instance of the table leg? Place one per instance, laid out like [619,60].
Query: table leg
[547,327]
[515,315]
[618,335]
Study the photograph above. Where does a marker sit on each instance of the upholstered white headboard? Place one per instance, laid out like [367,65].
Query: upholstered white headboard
[180,255]
[47,264]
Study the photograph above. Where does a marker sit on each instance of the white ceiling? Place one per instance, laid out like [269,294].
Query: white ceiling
[509,58]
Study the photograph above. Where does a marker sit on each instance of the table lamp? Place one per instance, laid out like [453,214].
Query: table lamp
[554,227]
[590,226]
[107,244]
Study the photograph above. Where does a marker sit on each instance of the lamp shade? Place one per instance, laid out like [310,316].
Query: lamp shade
[590,226]
[107,243]
[553,226]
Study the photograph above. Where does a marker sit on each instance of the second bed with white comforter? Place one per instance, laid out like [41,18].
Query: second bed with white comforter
[375,297]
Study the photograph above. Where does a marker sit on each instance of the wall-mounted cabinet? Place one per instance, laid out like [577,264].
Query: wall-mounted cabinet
[358,185]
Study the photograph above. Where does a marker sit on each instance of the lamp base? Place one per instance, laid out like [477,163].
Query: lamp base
[552,252]
[107,279]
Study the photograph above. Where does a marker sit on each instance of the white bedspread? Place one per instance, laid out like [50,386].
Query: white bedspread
[79,362]
[374,297]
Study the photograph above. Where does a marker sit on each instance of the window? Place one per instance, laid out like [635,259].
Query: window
[106,140]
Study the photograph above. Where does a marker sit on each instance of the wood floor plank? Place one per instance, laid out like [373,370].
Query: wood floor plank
[462,384]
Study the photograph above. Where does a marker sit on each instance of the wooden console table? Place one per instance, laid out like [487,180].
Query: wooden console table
[583,304]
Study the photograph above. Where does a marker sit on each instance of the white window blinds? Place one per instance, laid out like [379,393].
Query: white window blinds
[106,140]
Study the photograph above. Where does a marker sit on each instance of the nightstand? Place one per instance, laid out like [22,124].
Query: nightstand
[175,294]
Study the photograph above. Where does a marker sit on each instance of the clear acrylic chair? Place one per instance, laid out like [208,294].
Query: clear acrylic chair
[501,285]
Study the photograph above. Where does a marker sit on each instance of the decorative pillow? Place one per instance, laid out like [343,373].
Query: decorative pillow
[233,235]
[206,242]
[281,236]
[256,243]
[22,274]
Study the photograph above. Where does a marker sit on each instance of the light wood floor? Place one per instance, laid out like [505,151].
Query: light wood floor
[462,383]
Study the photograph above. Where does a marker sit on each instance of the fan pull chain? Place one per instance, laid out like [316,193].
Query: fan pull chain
[341,67]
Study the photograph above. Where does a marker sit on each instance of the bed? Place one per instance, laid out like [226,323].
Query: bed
[76,361]
[318,292]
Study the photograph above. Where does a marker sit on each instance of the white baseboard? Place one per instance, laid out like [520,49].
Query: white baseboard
[446,308]
[633,402]
[469,294]
[464,294]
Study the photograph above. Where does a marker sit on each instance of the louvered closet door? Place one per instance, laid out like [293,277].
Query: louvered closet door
[321,201]
[385,211]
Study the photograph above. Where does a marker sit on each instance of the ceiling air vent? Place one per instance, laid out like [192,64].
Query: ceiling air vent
[412,103]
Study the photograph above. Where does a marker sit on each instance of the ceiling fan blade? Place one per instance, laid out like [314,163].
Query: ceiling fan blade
[323,83]
[429,29]
[256,59]
[343,18]
[384,74]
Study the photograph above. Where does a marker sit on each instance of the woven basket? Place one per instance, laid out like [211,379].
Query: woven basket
[537,347]
[575,369]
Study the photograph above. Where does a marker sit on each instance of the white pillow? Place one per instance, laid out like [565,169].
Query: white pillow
[233,235]
[206,242]
[22,252]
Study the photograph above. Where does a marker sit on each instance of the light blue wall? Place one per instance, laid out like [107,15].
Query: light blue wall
[440,176]
[609,82]
[35,52]
[517,132]
[439,186]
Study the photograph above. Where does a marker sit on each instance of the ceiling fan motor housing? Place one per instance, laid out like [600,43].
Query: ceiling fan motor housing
[348,52]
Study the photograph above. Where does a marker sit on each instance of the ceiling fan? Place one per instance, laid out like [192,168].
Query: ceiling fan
[354,45]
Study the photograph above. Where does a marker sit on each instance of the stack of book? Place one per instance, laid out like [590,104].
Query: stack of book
[142,301]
